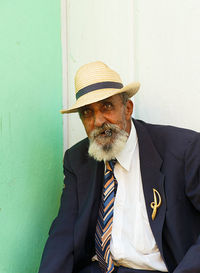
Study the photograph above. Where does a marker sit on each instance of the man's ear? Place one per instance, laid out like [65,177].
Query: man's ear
[129,109]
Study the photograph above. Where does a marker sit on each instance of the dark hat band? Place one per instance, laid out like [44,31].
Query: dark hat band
[98,85]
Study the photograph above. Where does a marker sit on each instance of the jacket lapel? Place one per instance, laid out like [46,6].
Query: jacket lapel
[152,178]
[90,180]
[89,183]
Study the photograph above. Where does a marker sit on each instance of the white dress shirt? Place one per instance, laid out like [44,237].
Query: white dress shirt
[132,241]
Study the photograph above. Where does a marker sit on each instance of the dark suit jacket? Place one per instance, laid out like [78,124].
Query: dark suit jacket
[170,163]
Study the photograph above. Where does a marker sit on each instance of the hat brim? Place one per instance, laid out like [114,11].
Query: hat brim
[131,89]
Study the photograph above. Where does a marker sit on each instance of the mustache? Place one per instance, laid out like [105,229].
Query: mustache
[107,128]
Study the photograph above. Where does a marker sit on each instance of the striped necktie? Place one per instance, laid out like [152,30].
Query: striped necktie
[105,220]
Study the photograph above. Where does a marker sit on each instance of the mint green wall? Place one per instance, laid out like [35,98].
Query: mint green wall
[30,129]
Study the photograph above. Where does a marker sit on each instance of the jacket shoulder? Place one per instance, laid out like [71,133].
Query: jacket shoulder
[168,130]
[77,157]
[167,138]
[78,151]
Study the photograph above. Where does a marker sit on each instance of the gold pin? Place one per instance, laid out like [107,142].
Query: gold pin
[156,203]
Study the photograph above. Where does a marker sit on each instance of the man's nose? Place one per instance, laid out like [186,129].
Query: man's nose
[98,119]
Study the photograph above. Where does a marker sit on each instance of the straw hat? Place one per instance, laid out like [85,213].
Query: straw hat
[96,81]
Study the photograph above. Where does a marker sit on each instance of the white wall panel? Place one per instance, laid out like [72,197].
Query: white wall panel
[167,43]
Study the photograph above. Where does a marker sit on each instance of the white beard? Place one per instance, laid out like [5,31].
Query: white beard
[104,147]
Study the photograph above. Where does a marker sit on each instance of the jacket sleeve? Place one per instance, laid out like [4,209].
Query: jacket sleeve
[58,253]
[191,261]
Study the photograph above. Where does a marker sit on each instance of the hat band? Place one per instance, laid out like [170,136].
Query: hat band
[98,85]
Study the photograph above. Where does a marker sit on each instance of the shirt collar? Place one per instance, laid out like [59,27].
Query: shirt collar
[125,156]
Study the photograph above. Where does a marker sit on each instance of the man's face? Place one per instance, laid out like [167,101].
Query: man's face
[105,122]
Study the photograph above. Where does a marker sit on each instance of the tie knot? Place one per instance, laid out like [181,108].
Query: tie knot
[111,164]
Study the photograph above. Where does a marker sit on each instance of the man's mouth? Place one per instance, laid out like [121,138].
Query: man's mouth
[108,132]
[105,133]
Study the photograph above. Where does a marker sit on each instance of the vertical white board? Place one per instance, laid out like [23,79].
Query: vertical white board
[167,63]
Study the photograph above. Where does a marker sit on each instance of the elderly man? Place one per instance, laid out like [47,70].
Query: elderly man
[131,200]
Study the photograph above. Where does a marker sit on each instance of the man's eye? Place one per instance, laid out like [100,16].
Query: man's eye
[86,112]
[107,106]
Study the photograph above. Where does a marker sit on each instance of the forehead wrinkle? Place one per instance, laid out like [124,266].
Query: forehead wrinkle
[109,99]
[101,102]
